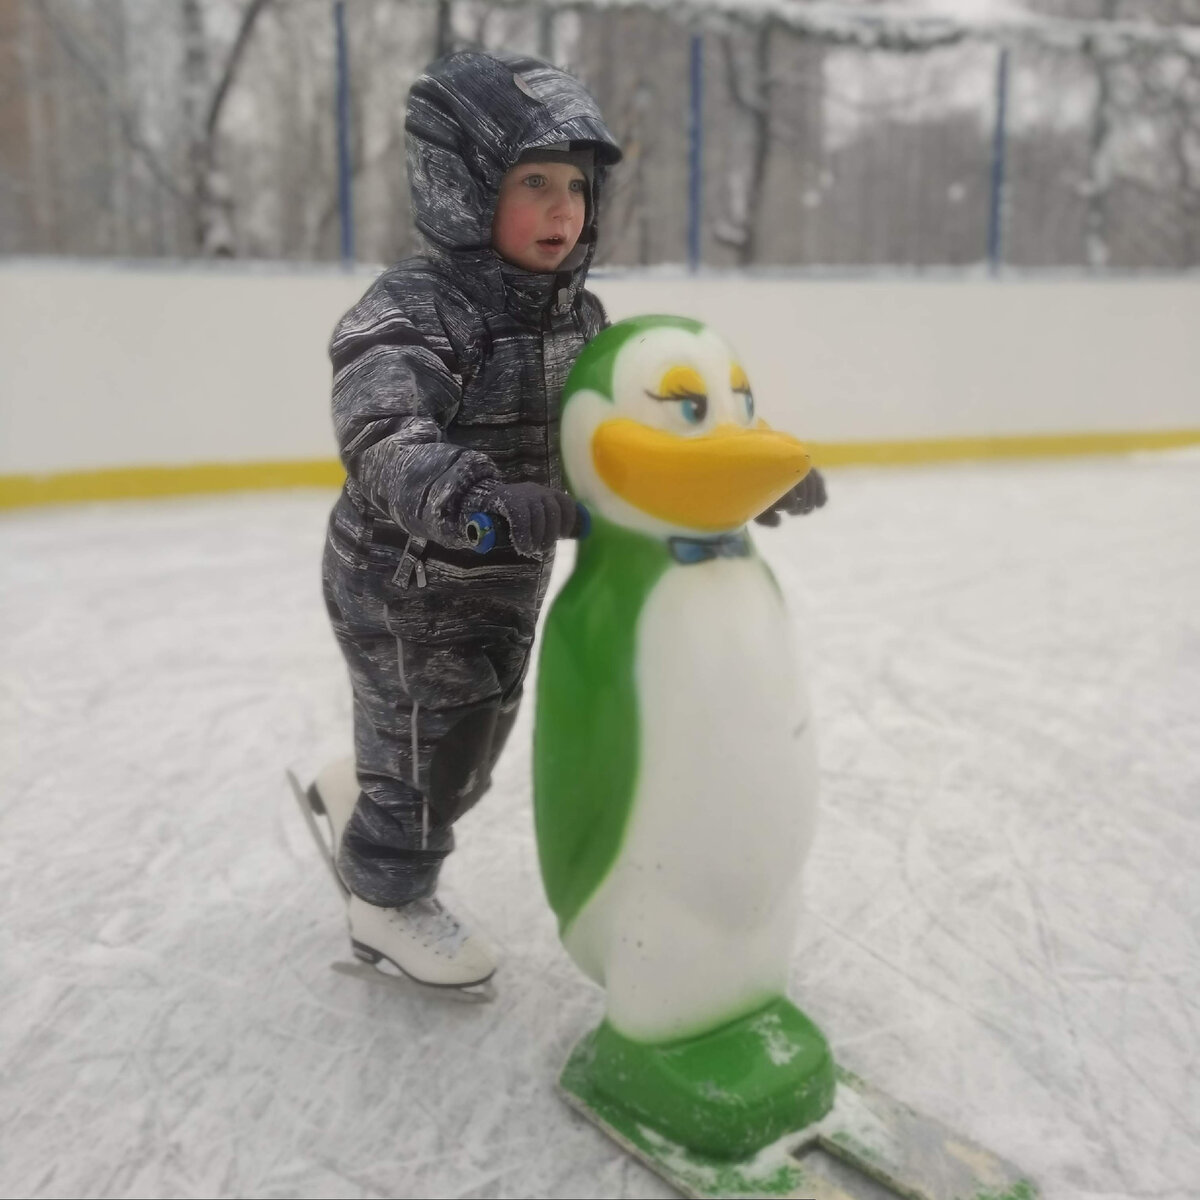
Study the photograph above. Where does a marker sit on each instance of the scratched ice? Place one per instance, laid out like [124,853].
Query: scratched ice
[1003,896]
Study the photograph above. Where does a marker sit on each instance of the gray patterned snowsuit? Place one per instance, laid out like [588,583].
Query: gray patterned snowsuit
[448,373]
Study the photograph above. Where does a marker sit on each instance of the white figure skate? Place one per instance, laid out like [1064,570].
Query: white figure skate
[421,941]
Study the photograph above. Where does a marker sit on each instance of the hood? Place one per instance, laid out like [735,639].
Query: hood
[470,117]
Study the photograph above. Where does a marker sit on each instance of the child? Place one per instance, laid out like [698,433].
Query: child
[447,383]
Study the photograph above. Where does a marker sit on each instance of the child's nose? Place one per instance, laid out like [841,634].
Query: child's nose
[560,205]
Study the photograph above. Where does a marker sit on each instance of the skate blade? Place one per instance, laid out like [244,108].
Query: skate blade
[475,993]
[323,840]
[870,1147]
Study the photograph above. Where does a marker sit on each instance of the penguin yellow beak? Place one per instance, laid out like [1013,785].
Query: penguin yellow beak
[713,482]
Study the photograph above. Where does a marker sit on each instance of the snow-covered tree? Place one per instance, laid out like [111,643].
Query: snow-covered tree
[832,133]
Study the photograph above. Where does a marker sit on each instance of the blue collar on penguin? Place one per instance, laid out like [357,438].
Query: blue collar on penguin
[688,550]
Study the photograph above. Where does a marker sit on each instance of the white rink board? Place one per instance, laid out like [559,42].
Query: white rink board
[106,366]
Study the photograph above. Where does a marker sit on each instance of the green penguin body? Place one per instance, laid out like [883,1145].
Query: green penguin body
[674,769]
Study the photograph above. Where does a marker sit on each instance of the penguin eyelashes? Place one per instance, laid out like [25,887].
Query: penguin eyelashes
[694,405]
[677,396]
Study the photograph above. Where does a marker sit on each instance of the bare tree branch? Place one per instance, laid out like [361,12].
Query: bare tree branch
[750,95]
[125,119]
[250,16]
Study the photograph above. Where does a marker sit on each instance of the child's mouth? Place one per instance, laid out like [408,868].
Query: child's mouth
[552,243]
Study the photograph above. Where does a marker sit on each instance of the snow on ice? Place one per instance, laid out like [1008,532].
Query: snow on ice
[1003,902]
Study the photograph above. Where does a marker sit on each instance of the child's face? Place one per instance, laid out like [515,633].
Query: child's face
[539,214]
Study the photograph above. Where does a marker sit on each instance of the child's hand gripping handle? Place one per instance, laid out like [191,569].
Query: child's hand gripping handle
[528,517]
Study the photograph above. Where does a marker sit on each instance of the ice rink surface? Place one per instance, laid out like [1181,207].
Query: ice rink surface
[1003,924]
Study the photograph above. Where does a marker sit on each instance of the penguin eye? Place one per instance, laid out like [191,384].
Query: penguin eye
[693,405]
[682,384]
[747,402]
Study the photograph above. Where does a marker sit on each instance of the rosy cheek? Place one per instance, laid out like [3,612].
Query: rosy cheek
[516,224]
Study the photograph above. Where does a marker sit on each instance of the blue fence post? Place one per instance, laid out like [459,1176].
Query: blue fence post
[695,151]
[345,193]
[999,150]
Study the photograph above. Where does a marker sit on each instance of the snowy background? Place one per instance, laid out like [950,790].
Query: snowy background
[1029,133]
[1003,899]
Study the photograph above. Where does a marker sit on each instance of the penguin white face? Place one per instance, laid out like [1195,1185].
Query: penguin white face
[680,382]
[678,447]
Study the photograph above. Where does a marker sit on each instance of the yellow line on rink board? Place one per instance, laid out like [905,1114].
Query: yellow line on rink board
[126,483]
[1055,445]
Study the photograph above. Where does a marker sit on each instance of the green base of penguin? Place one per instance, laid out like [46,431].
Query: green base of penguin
[758,1108]
[725,1094]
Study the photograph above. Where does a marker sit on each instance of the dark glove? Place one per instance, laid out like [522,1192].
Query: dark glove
[808,494]
[536,516]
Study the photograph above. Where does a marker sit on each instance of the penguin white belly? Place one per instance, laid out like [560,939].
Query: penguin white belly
[695,922]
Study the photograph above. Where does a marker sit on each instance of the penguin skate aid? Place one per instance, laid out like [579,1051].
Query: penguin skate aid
[673,861]
[447,378]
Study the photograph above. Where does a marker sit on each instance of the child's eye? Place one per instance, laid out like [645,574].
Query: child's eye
[577,185]
[535,181]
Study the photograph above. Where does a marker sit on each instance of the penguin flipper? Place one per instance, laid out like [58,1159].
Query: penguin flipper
[587,734]
[585,762]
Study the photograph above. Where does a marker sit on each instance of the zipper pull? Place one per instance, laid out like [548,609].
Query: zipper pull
[420,573]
